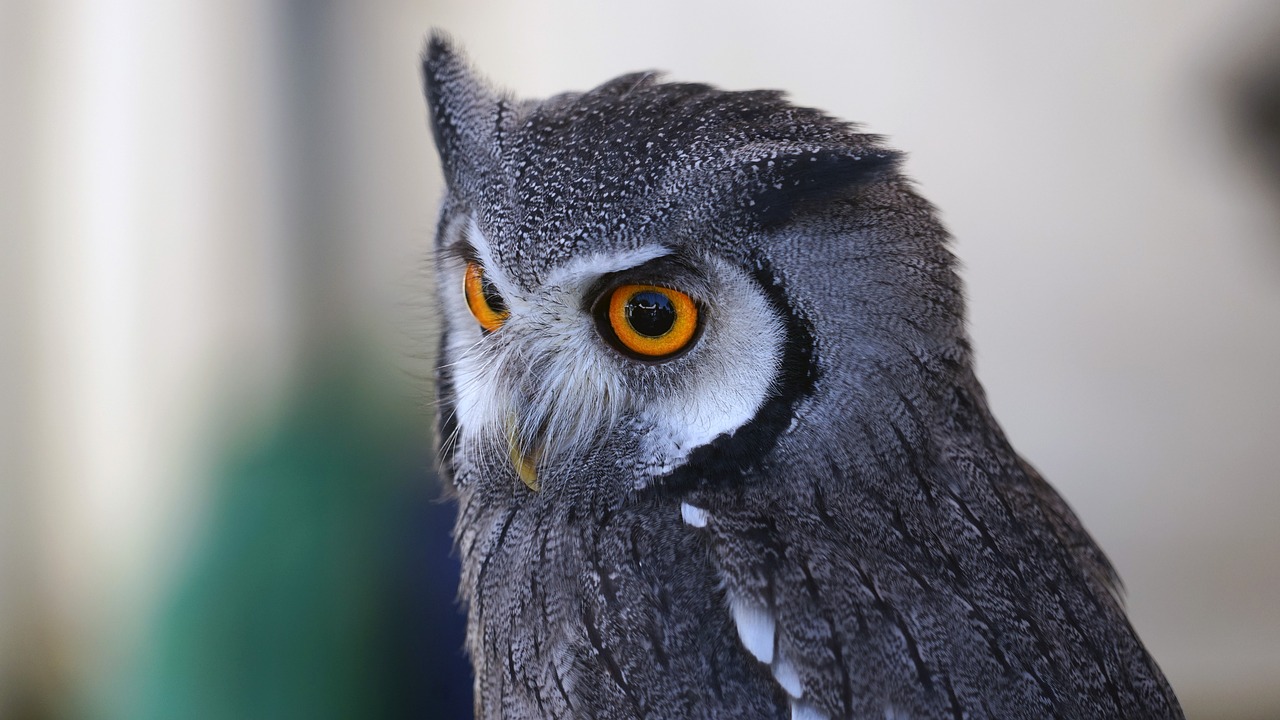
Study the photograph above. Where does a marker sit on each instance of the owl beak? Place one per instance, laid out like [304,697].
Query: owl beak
[525,462]
[526,467]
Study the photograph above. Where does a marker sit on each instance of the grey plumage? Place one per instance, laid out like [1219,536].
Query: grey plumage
[808,511]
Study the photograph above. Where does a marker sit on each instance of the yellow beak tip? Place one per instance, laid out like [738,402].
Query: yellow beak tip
[528,474]
[527,468]
[526,464]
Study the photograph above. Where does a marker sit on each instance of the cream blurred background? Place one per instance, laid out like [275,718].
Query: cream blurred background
[196,199]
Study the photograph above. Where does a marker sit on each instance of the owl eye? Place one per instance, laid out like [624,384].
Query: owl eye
[648,322]
[483,298]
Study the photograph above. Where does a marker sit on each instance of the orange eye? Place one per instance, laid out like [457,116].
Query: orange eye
[649,322]
[483,298]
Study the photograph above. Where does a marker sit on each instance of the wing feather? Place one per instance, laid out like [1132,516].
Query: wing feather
[952,587]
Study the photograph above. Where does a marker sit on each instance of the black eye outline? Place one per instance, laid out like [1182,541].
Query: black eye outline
[612,309]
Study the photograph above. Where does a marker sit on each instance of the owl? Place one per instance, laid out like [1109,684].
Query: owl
[709,412]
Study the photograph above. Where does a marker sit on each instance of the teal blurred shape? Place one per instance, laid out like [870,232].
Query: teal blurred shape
[299,600]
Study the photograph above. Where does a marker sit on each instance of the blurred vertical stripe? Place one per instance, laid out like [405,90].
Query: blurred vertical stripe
[204,509]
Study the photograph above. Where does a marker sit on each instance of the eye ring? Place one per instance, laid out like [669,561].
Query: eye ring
[648,322]
[483,298]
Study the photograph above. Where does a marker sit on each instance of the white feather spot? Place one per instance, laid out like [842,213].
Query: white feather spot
[805,711]
[784,671]
[755,628]
[693,515]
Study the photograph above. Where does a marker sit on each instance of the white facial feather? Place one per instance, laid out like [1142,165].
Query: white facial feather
[547,385]
[541,382]
[732,379]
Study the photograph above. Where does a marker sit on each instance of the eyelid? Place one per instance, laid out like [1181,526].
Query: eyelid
[672,272]
[460,250]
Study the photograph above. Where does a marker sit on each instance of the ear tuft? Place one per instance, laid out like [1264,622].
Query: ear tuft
[779,185]
[457,101]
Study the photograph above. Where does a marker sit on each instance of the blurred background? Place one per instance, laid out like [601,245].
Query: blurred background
[216,497]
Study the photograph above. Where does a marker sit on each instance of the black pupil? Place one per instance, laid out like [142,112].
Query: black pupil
[651,313]
[491,296]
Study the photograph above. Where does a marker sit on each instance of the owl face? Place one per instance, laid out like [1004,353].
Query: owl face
[635,273]
[613,366]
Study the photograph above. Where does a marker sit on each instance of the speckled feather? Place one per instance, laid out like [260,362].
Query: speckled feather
[866,545]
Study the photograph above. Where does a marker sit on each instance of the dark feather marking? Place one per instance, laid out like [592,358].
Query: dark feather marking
[654,634]
[975,612]
[1094,651]
[1047,689]
[833,640]
[590,619]
[606,582]
[984,533]
[906,566]
[527,681]
[717,686]
[892,615]
[484,564]
[922,668]
[610,662]
[913,467]
[635,544]
[764,535]
[652,628]
[536,596]
[789,184]
[468,518]
[555,675]
[446,420]
[820,504]
[500,113]
[956,708]
[898,525]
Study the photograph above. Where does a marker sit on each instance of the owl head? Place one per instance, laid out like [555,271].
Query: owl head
[652,282]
